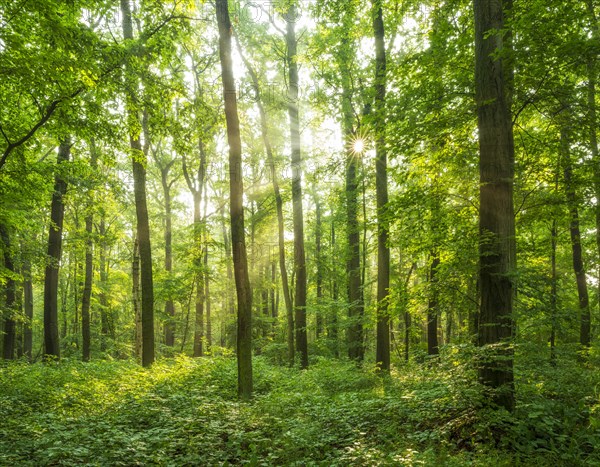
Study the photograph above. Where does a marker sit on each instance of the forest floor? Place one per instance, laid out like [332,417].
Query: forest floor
[184,412]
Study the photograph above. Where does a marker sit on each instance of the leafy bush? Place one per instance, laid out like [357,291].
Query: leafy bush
[184,412]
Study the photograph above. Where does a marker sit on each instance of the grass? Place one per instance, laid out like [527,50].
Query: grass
[184,412]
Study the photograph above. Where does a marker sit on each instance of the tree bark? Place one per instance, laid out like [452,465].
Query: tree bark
[28,308]
[496,212]
[135,292]
[319,261]
[103,296]
[298,214]
[575,231]
[432,308]
[138,158]
[51,336]
[89,269]
[236,205]
[382,352]
[8,346]
[169,328]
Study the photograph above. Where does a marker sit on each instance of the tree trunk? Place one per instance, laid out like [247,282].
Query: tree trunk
[356,306]
[496,213]
[169,305]
[207,299]
[8,346]
[574,229]
[333,333]
[206,275]
[298,214]
[432,309]
[87,289]
[319,261]
[103,296]
[553,291]
[593,123]
[382,352]
[89,269]
[236,205]
[135,292]
[28,308]
[51,339]
[138,158]
[199,322]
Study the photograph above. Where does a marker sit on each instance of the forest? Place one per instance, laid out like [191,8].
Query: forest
[299,232]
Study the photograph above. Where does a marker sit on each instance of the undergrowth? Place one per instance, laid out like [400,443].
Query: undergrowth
[184,412]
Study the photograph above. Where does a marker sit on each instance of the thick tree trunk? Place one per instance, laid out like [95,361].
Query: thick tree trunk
[236,205]
[356,306]
[8,346]
[432,309]
[138,158]
[496,213]
[51,339]
[298,214]
[574,229]
[382,352]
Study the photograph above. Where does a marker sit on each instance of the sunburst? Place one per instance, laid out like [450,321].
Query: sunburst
[357,145]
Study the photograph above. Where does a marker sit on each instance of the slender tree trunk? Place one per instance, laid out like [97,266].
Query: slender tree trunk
[333,333]
[407,316]
[87,289]
[496,213]
[89,269]
[236,189]
[28,308]
[553,291]
[206,275]
[135,292]
[138,158]
[298,214]
[227,243]
[199,323]
[8,346]
[103,296]
[578,268]
[51,339]
[382,352]
[169,304]
[319,261]
[274,300]
[432,309]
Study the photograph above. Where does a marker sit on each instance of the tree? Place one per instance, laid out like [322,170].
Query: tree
[496,211]
[57,213]
[382,354]
[138,158]
[8,345]
[298,213]
[236,199]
